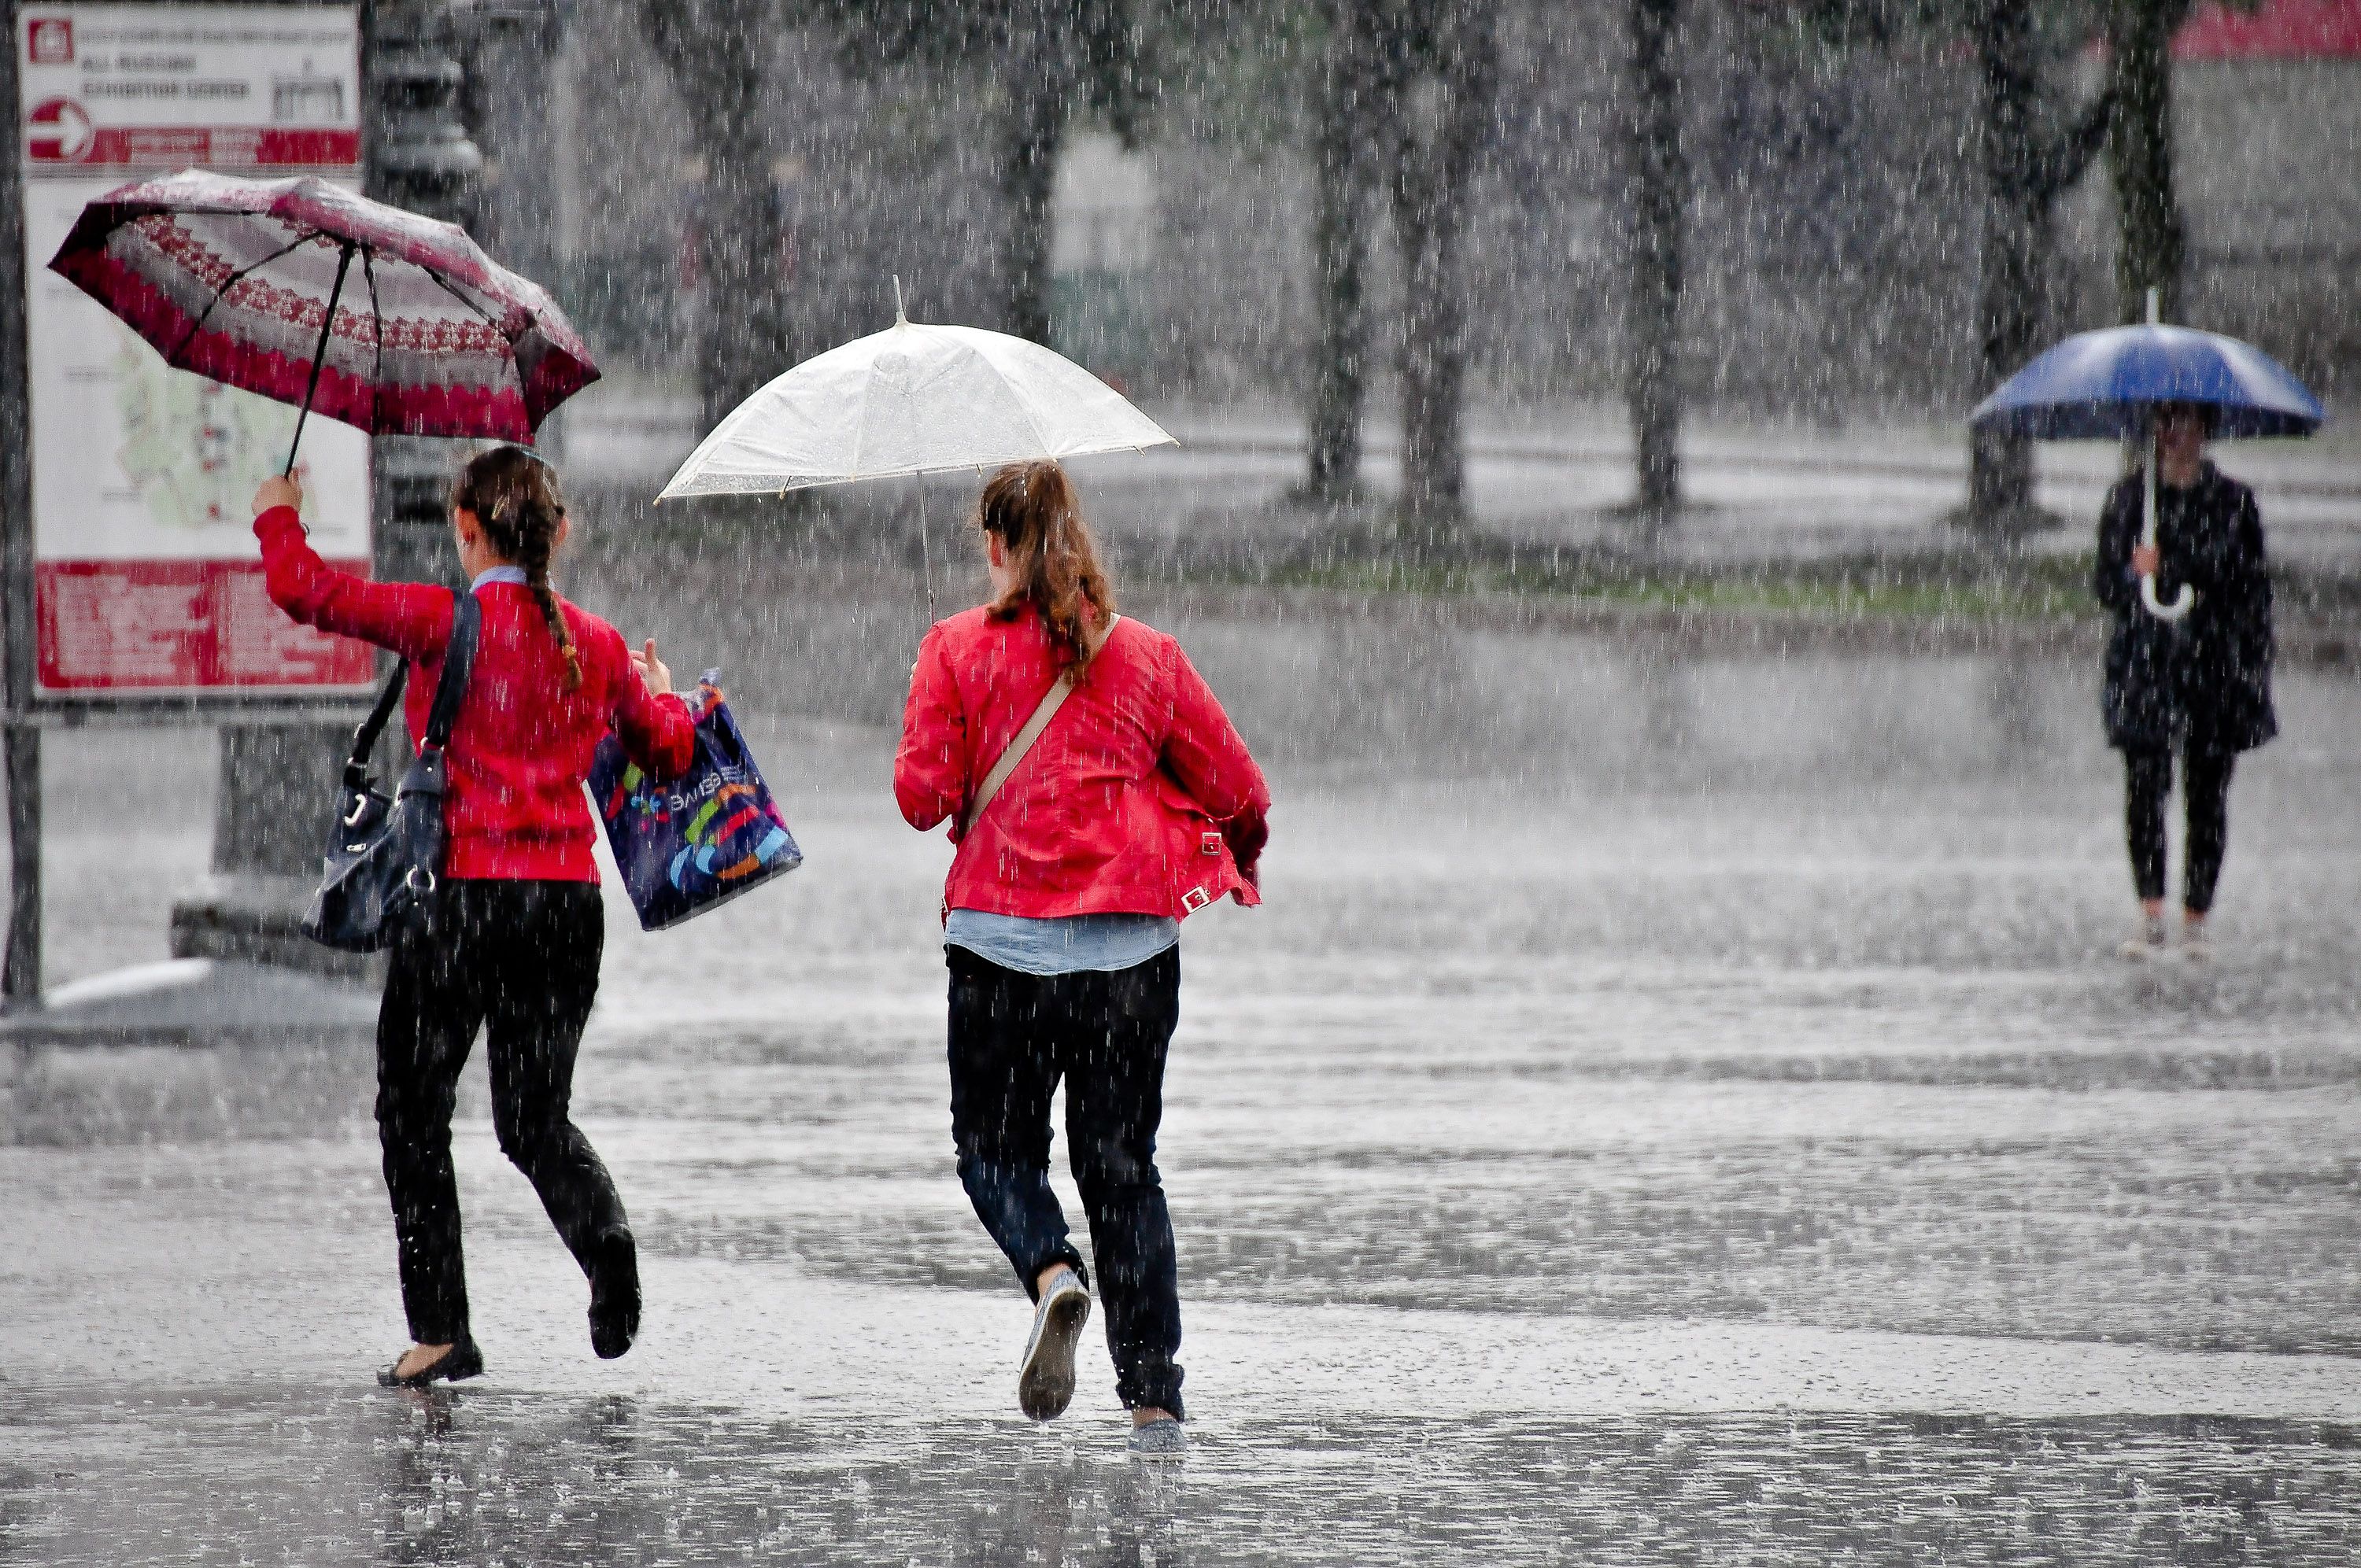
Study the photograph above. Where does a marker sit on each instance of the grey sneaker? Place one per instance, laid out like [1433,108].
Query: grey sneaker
[2193,944]
[1159,1439]
[2148,944]
[1045,1380]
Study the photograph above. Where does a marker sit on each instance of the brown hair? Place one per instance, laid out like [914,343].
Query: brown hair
[514,495]
[1031,510]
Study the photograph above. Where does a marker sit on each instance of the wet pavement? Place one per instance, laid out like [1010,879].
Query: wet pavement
[1671,1109]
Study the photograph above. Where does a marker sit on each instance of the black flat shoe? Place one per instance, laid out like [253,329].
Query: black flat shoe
[614,1294]
[462,1360]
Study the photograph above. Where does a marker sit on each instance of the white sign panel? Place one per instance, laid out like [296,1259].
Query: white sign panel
[147,574]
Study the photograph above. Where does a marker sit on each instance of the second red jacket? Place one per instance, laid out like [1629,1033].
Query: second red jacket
[1139,798]
[522,747]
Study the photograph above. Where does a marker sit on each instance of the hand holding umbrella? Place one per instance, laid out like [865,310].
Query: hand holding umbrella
[2110,384]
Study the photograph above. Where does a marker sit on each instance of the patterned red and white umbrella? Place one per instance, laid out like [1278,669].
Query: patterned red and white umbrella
[307,293]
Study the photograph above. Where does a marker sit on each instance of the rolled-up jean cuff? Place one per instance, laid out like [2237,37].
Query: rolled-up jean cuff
[1140,1391]
[1031,1273]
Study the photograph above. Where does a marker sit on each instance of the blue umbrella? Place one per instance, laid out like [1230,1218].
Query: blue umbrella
[2107,384]
[2099,386]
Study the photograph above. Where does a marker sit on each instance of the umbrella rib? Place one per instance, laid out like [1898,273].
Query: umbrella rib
[452,288]
[1031,423]
[860,420]
[233,280]
[376,340]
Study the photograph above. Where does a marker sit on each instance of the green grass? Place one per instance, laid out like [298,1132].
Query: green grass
[2040,589]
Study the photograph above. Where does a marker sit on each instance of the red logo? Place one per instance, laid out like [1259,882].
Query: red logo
[58,131]
[50,41]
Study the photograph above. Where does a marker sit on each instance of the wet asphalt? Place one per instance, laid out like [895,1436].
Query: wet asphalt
[1671,1109]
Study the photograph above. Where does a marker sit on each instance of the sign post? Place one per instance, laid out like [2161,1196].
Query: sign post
[20,974]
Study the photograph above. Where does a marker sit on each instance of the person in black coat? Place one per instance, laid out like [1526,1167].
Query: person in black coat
[2200,686]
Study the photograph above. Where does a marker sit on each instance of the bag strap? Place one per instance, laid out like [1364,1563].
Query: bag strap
[365,737]
[1051,701]
[458,659]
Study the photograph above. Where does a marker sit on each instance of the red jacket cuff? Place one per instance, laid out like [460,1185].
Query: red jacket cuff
[277,518]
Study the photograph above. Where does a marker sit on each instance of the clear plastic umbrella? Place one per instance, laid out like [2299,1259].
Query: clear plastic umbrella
[912,399]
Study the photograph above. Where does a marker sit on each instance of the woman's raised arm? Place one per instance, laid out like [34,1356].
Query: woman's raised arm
[413,619]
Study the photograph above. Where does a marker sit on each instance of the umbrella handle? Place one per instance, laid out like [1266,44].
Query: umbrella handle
[319,355]
[2183,601]
[2185,598]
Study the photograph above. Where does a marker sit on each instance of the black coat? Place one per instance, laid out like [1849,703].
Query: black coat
[2205,681]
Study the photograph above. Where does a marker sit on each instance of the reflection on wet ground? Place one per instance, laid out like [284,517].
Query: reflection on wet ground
[1702,1126]
[476,1477]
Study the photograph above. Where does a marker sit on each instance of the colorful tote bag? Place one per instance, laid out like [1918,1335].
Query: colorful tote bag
[700,840]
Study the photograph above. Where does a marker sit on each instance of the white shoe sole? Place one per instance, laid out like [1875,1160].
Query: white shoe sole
[1045,1382]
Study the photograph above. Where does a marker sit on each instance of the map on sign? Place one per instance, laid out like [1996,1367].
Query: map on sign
[193,449]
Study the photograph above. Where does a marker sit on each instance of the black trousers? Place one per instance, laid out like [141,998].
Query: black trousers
[1012,1036]
[2205,796]
[521,958]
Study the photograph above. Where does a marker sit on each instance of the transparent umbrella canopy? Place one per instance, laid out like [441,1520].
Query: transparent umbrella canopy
[909,401]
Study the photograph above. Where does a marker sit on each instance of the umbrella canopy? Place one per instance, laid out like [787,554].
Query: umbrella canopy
[2098,385]
[305,292]
[912,399]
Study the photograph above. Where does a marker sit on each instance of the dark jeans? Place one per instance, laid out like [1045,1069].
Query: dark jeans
[2206,795]
[1105,1032]
[521,957]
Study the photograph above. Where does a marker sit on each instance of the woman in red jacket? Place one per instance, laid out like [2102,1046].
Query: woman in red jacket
[513,932]
[1134,805]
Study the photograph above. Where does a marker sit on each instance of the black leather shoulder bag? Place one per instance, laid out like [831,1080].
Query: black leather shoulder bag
[384,857]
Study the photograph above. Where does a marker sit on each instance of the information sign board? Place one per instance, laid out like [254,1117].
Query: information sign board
[146,576]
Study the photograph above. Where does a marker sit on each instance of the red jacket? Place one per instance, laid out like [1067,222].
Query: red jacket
[520,749]
[1139,798]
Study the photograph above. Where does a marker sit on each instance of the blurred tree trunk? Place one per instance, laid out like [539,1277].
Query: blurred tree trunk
[1041,81]
[1659,194]
[717,51]
[2151,242]
[1052,60]
[1442,122]
[2026,167]
[1344,176]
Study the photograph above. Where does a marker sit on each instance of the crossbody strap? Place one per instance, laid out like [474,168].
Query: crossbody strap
[458,659]
[365,737]
[1046,709]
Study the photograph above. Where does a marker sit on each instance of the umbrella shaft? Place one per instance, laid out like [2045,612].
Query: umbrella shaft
[926,549]
[2148,500]
[319,354]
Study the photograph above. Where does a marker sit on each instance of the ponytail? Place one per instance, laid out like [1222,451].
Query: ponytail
[514,496]
[1031,508]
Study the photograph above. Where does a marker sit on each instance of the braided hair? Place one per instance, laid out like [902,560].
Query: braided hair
[514,496]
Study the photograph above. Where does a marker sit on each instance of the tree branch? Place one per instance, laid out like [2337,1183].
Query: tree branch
[2070,153]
